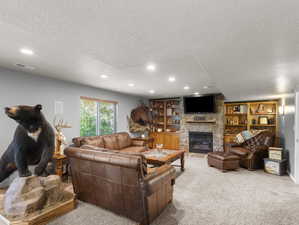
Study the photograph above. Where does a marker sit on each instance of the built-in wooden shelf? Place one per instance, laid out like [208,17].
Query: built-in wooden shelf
[236,114]
[257,114]
[201,121]
[166,114]
[263,125]
[241,116]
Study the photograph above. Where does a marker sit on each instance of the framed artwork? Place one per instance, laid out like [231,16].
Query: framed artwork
[236,108]
[263,120]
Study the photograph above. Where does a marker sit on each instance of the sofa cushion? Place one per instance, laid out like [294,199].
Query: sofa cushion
[138,143]
[111,142]
[77,141]
[124,140]
[95,141]
[134,149]
[242,152]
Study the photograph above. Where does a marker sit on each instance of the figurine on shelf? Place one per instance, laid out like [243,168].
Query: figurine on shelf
[253,121]
[59,137]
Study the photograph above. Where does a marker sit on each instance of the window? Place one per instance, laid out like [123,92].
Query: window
[97,117]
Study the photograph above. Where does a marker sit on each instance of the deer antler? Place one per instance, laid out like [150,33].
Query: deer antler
[60,124]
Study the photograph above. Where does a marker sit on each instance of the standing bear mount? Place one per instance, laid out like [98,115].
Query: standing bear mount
[33,143]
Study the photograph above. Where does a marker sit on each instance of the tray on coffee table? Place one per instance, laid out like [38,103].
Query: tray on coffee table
[165,156]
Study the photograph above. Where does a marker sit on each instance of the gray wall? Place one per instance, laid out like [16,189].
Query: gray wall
[21,88]
[287,132]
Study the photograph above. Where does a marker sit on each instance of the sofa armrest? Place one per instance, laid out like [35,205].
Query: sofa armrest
[261,148]
[231,145]
[138,142]
[234,144]
[154,180]
[259,152]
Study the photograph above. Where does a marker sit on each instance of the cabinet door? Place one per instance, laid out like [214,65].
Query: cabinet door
[171,141]
[158,138]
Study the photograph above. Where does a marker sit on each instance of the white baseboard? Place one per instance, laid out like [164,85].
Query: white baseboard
[292,177]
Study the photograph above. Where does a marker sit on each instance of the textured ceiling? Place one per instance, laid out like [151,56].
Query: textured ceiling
[244,49]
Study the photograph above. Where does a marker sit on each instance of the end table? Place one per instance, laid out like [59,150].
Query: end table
[60,163]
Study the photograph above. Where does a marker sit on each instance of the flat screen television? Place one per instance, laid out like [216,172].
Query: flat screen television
[200,104]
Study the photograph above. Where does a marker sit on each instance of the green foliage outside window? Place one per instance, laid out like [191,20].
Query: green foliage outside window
[96,118]
[106,118]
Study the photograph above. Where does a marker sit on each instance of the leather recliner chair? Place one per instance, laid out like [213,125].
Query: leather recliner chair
[120,183]
[253,151]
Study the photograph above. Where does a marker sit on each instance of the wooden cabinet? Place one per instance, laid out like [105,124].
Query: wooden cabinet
[61,166]
[166,122]
[170,140]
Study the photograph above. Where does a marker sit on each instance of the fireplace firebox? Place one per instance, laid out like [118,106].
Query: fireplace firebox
[200,142]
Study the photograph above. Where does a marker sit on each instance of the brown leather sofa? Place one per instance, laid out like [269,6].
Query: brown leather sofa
[253,151]
[117,142]
[120,183]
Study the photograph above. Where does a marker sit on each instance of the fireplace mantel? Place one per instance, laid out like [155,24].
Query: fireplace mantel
[201,121]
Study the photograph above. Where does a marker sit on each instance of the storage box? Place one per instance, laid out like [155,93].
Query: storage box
[277,167]
[276,153]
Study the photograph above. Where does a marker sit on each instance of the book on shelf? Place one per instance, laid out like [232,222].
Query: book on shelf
[243,109]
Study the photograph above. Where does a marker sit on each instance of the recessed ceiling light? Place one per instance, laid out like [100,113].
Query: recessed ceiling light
[104,76]
[186,88]
[151,67]
[26,51]
[152,91]
[171,79]
[205,87]
[196,93]
[131,85]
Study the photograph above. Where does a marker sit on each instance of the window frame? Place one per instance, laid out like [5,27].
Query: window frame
[115,104]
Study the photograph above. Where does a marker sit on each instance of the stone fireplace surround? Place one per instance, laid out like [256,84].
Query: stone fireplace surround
[216,128]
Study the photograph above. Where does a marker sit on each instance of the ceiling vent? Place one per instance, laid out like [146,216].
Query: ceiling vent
[25,67]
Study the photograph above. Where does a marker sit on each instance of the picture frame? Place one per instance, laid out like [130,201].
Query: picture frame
[263,120]
[235,120]
[236,109]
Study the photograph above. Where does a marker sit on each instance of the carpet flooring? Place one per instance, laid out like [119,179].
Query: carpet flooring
[206,196]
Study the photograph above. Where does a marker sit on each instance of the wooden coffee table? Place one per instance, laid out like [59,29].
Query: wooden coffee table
[165,156]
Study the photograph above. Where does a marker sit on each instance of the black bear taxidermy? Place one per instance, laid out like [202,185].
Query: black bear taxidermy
[33,143]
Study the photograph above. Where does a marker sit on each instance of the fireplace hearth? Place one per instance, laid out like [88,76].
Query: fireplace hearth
[200,142]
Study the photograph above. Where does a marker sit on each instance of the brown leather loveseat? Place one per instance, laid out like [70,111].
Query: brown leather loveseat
[117,142]
[120,183]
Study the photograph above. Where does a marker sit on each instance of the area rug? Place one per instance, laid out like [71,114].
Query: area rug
[206,196]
